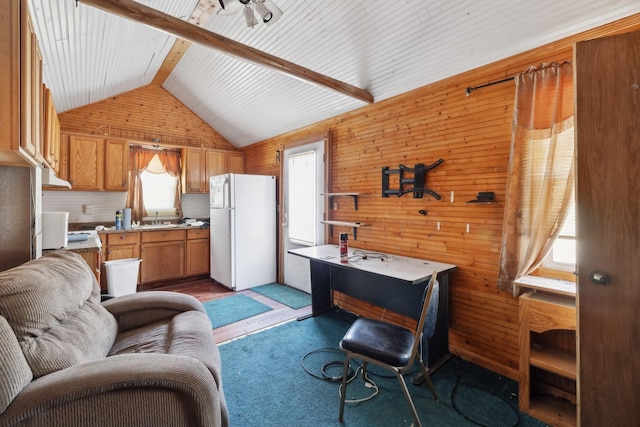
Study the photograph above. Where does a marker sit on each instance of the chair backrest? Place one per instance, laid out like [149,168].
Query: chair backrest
[428,315]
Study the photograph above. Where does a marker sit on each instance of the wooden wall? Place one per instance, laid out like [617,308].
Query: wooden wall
[142,114]
[472,134]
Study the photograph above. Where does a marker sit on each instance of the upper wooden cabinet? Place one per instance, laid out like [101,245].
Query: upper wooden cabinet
[86,160]
[200,164]
[21,118]
[235,162]
[116,165]
[51,150]
[97,164]
[193,170]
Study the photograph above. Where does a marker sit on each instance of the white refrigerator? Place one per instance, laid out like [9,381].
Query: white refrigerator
[243,230]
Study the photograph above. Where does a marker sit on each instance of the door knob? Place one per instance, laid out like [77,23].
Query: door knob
[599,278]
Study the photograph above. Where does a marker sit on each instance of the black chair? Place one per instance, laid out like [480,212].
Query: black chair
[391,346]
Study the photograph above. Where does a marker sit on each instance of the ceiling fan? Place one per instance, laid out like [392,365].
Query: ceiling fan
[266,10]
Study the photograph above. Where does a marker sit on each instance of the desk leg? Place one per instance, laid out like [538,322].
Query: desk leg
[321,296]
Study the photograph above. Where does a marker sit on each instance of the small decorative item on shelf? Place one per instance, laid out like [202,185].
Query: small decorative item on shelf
[484,197]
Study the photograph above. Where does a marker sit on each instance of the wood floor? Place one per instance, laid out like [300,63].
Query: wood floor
[207,290]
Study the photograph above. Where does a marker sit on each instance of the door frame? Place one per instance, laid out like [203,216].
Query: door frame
[326,137]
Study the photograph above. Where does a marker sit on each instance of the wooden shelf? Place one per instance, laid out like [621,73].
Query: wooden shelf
[554,360]
[354,225]
[353,195]
[555,411]
[548,372]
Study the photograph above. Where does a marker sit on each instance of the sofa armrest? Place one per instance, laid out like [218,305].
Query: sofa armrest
[143,308]
[133,389]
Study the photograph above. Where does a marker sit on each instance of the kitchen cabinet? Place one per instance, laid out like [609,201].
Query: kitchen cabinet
[235,162]
[193,170]
[96,163]
[163,255]
[51,152]
[197,260]
[86,161]
[20,86]
[200,164]
[116,166]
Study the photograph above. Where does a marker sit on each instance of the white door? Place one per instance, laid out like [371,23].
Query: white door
[303,209]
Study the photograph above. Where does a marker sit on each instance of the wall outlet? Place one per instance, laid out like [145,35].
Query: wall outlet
[89,209]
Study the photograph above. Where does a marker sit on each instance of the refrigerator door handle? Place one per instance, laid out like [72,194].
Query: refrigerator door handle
[285,220]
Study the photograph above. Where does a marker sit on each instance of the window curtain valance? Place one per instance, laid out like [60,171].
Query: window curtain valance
[540,183]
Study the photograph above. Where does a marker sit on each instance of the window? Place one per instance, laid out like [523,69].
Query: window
[563,254]
[159,190]
[302,198]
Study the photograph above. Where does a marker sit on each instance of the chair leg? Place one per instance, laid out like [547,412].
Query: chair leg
[407,396]
[343,387]
[428,380]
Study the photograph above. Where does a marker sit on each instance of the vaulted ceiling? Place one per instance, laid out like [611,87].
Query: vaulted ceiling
[383,47]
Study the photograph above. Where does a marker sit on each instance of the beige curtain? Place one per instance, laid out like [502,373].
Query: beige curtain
[171,161]
[540,182]
[140,160]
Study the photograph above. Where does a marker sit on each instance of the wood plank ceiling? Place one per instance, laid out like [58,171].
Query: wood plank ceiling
[385,48]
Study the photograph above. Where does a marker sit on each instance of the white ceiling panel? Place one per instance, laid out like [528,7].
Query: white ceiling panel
[90,55]
[386,48]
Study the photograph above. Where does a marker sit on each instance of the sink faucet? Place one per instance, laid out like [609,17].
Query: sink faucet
[156,221]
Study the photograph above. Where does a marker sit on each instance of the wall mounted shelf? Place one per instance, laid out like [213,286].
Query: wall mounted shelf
[353,195]
[354,225]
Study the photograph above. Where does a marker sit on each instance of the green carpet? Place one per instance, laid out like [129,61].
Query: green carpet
[286,295]
[231,309]
[266,385]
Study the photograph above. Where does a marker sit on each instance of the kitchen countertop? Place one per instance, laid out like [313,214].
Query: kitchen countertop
[92,244]
[82,228]
[150,228]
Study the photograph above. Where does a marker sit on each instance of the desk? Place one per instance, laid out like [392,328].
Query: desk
[394,282]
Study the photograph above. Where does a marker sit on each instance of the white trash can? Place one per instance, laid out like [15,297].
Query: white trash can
[122,276]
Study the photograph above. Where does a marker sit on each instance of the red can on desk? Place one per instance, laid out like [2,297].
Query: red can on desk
[344,249]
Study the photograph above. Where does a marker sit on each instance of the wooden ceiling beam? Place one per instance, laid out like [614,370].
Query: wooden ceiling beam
[153,18]
[201,14]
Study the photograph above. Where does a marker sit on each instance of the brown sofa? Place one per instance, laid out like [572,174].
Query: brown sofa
[66,359]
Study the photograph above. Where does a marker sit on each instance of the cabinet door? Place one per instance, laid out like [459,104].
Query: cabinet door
[51,150]
[27,56]
[162,261]
[116,165]
[197,257]
[216,164]
[235,162]
[86,162]
[607,74]
[193,174]
[37,122]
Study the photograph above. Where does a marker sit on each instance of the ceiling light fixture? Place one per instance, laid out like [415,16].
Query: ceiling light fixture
[266,10]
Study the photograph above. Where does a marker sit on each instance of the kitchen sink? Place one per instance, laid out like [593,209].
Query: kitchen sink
[155,226]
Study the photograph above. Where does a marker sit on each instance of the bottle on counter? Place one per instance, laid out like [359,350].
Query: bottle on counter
[344,255]
[118,220]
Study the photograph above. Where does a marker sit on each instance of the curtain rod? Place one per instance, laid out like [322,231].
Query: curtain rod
[468,90]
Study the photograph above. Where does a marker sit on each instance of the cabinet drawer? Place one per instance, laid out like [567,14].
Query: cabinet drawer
[123,239]
[162,235]
[198,233]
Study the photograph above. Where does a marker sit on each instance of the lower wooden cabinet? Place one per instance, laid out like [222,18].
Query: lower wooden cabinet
[162,254]
[166,254]
[197,261]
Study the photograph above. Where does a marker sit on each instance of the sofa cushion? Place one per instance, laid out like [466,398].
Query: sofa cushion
[53,306]
[14,370]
